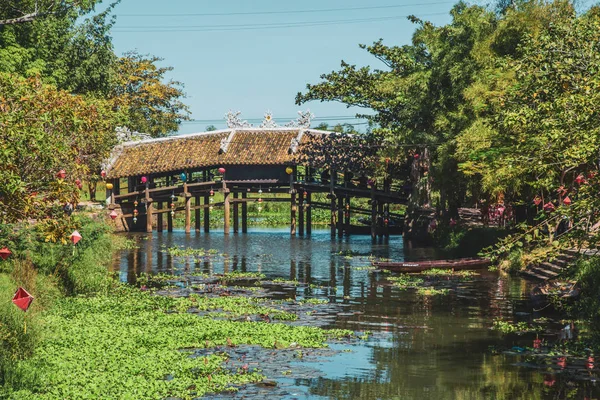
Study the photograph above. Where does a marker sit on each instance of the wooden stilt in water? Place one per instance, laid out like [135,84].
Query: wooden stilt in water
[159,218]
[347,216]
[293,208]
[340,216]
[188,212]
[380,219]
[149,208]
[206,214]
[301,213]
[244,214]
[226,209]
[308,214]
[236,219]
[197,214]
[373,214]
[333,222]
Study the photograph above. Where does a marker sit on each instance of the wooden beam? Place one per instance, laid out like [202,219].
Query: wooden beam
[347,215]
[206,213]
[373,214]
[188,213]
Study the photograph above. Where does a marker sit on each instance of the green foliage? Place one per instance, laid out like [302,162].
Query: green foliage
[519,328]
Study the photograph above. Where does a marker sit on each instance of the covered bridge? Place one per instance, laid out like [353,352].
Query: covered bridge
[150,178]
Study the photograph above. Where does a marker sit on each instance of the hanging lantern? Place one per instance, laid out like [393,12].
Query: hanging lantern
[567,201]
[452,222]
[259,208]
[109,186]
[416,156]
[387,160]
[537,343]
[172,213]
[210,208]
[580,179]
[537,201]
[260,200]
[212,192]
[134,220]
[591,175]
[172,205]
[260,191]
[144,179]
[211,200]
[183,177]
[289,170]
[305,193]
[135,203]
[549,207]
[61,174]
[5,253]
[113,215]
[347,206]
[221,170]
[103,174]
[22,299]
[75,237]
[135,212]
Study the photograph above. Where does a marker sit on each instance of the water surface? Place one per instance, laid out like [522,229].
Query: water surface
[438,347]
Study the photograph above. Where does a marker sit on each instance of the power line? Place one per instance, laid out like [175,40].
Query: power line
[244,27]
[285,12]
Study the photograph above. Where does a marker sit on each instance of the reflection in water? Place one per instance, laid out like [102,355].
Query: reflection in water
[422,347]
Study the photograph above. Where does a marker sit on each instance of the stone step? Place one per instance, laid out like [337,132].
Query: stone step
[530,275]
[543,271]
[553,266]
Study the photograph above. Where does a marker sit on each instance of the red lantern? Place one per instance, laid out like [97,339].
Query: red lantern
[567,201]
[172,205]
[135,212]
[221,170]
[386,221]
[260,200]
[113,215]
[5,253]
[103,174]
[61,174]
[212,192]
[537,201]
[416,156]
[144,179]
[75,237]
[305,193]
[549,207]
[591,175]
[580,179]
[22,299]
[562,362]
[537,343]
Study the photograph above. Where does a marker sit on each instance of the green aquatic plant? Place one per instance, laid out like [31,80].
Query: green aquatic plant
[405,281]
[431,291]
[518,327]
[131,344]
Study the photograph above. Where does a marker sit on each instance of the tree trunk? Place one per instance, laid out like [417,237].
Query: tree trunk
[92,190]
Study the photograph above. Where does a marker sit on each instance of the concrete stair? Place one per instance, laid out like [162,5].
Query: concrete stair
[551,269]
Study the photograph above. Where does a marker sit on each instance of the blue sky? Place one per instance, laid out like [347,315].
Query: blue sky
[228,62]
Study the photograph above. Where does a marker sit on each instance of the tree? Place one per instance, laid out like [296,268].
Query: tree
[44,131]
[151,106]
[23,11]
[210,128]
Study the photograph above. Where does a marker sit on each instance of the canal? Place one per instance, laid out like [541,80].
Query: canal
[419,347]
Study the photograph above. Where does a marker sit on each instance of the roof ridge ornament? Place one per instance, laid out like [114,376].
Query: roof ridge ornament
[235,122]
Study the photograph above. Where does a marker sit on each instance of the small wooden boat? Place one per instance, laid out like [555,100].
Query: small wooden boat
[419,266]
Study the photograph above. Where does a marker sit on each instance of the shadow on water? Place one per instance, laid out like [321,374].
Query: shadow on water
[421,348]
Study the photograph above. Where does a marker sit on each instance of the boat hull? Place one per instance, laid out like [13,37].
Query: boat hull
[419,266]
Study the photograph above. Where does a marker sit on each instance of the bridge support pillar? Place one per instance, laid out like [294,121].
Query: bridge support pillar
[226,209]
[380,226]
[373,214]
[236,216]
[159,218]
[197,214]
[206,213]
[244,214]
[188,212]
[301,213]
[347,216]
[293,208]
[149,215]
[340,217]
[308,214]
